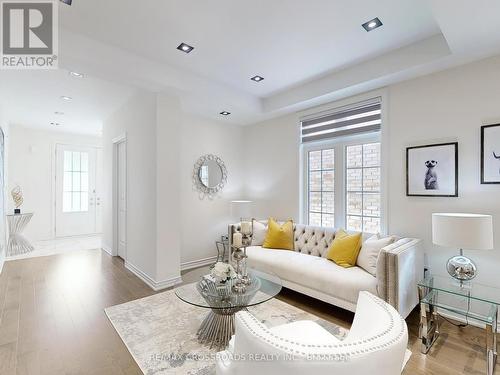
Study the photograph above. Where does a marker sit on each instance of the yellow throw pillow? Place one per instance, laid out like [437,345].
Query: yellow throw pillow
[345,248]
[279,236]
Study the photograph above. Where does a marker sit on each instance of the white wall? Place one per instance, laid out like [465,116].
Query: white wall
[3,223]
[136,119]
[272,167]
[450,105]
[31,166]
[204,221]
[167,222]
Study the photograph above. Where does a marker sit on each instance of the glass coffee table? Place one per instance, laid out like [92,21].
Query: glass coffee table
[469,301]
[223,302]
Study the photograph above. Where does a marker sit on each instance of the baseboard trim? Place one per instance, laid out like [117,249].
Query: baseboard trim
[107,250]
[153,284]
[198,263]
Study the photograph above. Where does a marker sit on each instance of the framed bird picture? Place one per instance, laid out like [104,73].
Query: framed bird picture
[432,170]
[490,154]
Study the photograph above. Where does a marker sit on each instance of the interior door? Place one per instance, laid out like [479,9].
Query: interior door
[98,189]
[76,190]
[122,198]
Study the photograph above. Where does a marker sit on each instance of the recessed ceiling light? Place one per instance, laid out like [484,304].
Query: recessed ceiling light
[372,24]
[225,113]
[66,98]
[185,47]
[257,78]
[76,74]
[58,113]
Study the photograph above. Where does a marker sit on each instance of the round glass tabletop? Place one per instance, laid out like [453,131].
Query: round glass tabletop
[207,294]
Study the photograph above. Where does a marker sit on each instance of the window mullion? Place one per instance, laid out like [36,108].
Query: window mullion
[339,186]
[362,187]
[321,185]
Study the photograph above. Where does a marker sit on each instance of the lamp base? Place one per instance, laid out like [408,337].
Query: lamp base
[461,268]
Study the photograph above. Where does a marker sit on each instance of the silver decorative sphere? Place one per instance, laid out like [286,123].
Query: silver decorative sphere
[461,268]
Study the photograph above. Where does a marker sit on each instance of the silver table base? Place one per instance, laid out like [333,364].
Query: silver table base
[429,329]
[217,328]
[17,243]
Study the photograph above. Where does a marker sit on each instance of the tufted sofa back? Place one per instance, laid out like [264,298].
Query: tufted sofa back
[313,240]
[307,239]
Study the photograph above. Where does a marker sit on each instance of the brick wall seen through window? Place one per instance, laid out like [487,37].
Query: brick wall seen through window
[363,198]
[321,181]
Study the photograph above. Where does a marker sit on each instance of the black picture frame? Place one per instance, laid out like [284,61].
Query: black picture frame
[483,130]
[408,151]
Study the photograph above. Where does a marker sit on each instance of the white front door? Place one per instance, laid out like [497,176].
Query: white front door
[76,191]
[121,179]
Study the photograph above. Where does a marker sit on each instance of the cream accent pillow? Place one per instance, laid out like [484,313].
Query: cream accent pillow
[370,250]
[259,232]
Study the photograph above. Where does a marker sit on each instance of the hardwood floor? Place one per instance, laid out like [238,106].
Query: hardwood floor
[52,315]
[52,320]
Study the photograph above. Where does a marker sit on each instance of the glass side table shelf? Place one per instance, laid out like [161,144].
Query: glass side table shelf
[467,300]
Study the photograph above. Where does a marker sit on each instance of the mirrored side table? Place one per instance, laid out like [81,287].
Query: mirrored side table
[17,243]
[467,301]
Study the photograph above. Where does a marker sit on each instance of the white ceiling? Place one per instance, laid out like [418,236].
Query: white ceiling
[309,52]
[31,98]
[285,41]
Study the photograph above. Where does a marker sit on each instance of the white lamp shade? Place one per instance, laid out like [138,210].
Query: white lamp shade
[464,231]
[241,209]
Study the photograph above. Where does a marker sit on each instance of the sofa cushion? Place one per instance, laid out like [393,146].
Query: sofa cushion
[345,248]
[367,258]
[279,236]
[259,231]
[313,272]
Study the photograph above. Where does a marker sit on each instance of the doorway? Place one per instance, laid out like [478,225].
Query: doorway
[120,196]
[78,204]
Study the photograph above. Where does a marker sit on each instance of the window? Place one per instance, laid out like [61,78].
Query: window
[342,169]
[363,187]
[321,188]
[76,182]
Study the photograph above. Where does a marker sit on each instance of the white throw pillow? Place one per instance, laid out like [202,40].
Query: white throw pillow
[367,258]
[259,231]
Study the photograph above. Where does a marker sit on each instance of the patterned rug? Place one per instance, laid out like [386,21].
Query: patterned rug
[160,332]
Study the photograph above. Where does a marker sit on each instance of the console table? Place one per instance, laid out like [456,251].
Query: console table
[17,243]
[468,300]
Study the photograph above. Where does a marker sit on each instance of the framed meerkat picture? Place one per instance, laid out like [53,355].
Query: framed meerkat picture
[432,170]
[490,154]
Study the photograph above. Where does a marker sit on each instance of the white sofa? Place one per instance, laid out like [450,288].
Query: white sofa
[306,270]
[376,344]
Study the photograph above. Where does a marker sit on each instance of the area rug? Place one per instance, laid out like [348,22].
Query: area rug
[160,332]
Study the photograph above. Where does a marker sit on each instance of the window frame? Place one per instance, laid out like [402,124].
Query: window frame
[340,145]
[72,172]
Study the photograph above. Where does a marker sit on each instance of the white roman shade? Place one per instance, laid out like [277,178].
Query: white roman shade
[361,118]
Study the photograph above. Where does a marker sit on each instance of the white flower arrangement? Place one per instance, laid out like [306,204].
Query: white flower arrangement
[222,272]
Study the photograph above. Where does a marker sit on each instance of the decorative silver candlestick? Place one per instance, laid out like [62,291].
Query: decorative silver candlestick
[247,240]
[239,256]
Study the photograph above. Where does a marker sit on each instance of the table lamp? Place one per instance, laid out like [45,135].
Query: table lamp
[463,231]
[241,209]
